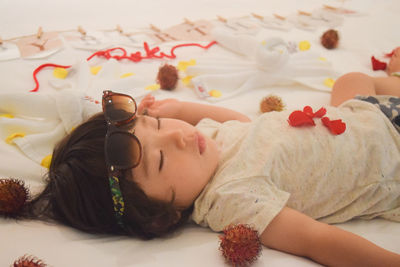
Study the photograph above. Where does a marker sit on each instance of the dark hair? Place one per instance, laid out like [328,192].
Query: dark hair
[77,192]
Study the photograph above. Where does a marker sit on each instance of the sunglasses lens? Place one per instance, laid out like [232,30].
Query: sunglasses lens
[119,108]
[123,150]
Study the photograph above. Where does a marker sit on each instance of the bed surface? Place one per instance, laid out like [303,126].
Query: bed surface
[373,31]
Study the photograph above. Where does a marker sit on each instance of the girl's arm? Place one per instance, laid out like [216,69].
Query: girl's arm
[187,111]
[295,233]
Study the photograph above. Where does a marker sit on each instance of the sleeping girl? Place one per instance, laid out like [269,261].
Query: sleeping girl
[145,169]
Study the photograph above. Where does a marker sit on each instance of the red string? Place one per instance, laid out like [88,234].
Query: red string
[135,57]
[35,72]
[150,53]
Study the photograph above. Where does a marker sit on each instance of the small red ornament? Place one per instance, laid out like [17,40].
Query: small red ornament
[330,39]
[319,114]
[336,127]
[306,118]
[28,261]
[299,118]
[389,55]
[240,245]
[13,196]
[377,65]
[303,118]
[167,77]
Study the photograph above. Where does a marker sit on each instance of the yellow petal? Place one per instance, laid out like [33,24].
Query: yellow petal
[186,81]
[94,70]
[264,43]
[215,93]
[322,58]
[153,87]
[46,161]
[11,137]
[7,115]
[304,45]
[126,75]
[329,82]
[182,65]
[60,73]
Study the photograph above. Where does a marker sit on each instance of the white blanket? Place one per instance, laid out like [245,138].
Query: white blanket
[262,61]
[372,30]
[36,122]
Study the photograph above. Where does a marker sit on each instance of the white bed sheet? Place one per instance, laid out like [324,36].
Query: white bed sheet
[374,33]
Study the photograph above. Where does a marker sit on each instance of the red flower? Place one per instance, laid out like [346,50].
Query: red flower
[299,118]
[377,65]
[320,113]
[305,117]
[336,126]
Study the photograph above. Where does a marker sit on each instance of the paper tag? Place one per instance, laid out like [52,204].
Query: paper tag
[9,51]
[200,89]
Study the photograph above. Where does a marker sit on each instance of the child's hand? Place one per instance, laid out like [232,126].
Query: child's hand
[394,63]
[167,108]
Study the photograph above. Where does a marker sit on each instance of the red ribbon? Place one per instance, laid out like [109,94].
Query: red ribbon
[35,72]
[135,57]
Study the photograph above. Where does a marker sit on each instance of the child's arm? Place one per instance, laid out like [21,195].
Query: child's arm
[187,111]
[293,232]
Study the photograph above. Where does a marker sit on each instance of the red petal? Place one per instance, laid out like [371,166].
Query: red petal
[377,65]
[390,54]
[325,121]
[299,118]
[308,111]
[336,127]
[320,113]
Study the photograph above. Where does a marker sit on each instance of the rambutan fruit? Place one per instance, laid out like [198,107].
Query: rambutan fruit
[28,261]
[240,245]
[167,77]
[271,103]
[330,39]
[13,196]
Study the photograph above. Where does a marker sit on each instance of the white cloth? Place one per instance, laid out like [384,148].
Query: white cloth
[42,119]
[267,164]
[108,76]
[262,62]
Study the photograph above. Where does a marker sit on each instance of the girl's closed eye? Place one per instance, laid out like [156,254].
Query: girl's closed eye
[161,152]
[161,161]
[158,123]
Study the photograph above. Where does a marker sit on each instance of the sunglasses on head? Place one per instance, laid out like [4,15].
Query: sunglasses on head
[122,148]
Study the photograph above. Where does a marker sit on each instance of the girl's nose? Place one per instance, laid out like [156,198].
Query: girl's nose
[177,137]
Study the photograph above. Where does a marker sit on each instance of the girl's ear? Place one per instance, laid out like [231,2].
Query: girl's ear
[178,216]
[167,221]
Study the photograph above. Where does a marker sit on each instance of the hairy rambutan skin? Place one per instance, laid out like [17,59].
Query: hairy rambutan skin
[28,261]
[271,103]
[330,39]
[13,196]
[240,245]
[167,77]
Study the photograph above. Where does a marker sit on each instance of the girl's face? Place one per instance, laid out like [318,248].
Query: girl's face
[176,158]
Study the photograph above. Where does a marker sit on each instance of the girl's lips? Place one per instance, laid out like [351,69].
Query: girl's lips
[201,142]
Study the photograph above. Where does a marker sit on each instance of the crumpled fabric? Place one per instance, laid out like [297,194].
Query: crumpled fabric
[40,121]
[271,61]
